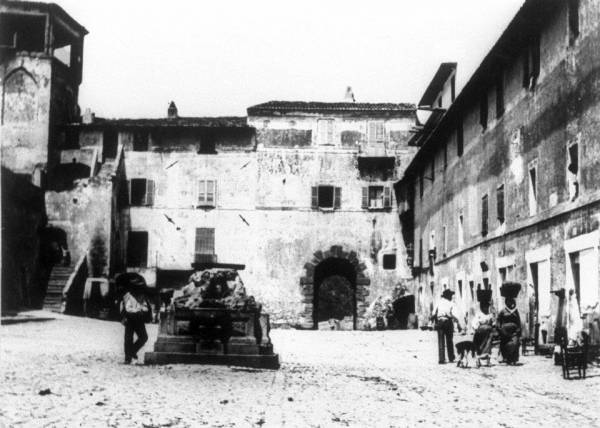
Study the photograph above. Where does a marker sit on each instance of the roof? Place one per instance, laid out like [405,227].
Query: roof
[441,76]
[50,8]
[282,107]
[179,122]
[531,15]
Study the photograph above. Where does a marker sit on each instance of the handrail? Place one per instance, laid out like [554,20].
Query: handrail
[81,262]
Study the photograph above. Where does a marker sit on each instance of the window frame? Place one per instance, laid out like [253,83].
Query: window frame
[387,256]
[149,192]
[329,132]
[204,203]
[500,204]
[336,197]
[143,260]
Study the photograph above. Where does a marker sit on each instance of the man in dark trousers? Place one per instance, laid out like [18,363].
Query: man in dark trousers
[444,316]
[135,311]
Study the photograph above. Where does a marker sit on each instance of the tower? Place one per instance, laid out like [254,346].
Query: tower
[41,56]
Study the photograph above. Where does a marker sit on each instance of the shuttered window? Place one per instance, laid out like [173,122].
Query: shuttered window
[376,132]
[325,131]
[326,197]
[141,192]
[376,197]
[484,215]
[207,193]
[205,240]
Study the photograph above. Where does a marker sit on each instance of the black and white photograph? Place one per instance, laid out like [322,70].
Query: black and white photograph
[300,214]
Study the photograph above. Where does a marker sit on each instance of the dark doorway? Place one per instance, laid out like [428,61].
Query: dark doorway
[334,291]
[403,307]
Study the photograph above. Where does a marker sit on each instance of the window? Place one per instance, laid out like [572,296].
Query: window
[326,197]
[205,245]
[376,197]
[444,241]
[459,138]
[207,193]
[483,110]
[484,215]
[500,204]
[532,188]
[461,231]
[499,94]
[376,132]
[389,261]
[573,170]
[110,141]
[460,290]
[472,289]
[137,249]
[140,141]
[325,132]
[141,192]
[573,13]
[531,62]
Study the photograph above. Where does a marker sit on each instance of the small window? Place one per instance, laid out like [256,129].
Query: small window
[140,141]
[137,249]
[484,215]
[500,204]
[499,94]
[531,61]
[376,197]
[483,110]
[141,192]
[461,231]
[325,132]
[533,188]
[573,12]
[573,170]
[459,138]
[205,245]
[389,261]
[472,289]
[376,132]
[207,193]
[326,197]
[460,288]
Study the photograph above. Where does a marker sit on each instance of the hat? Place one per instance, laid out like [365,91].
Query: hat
[484,296]
[510,289]
[447,293]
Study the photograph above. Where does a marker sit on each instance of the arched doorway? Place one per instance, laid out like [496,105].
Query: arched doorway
[335,283]
[334,290]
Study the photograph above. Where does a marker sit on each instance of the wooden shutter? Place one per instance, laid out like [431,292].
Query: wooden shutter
[210,192]
[205,240]
[201,194]
[500,204]
[149,199]
[365,197]
[337,197]
[387,197]
[484,215]
[314,198]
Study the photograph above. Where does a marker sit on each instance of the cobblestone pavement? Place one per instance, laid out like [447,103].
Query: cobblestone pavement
[360,379]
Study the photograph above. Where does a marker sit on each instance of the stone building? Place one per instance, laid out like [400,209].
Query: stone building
[41,50]
[301,193]
[503,186]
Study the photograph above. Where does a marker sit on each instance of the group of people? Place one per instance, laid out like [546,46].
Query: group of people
[485,325]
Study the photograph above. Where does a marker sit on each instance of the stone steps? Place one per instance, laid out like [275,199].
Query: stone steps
[58,279]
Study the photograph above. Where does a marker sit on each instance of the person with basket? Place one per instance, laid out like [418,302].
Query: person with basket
[135,312]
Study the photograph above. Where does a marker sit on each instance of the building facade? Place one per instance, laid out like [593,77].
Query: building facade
[300,193]
[504,186]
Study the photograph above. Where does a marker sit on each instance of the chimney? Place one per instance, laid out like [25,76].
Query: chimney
[349,97]
[172,111]
[88,117]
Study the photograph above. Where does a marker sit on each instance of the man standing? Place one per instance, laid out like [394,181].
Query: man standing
[444,316]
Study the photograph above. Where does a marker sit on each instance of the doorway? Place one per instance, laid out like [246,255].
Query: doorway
[334,291]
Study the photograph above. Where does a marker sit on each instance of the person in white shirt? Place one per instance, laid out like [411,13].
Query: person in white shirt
[444,316]
[135,308]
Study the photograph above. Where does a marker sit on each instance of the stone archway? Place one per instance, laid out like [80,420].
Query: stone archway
[342,261]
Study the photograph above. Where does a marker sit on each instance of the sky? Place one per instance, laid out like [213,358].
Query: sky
[216,58]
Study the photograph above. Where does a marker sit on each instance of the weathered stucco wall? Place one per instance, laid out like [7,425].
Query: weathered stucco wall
[25,121]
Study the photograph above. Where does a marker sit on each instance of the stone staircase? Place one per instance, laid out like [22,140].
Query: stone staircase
[54,293]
